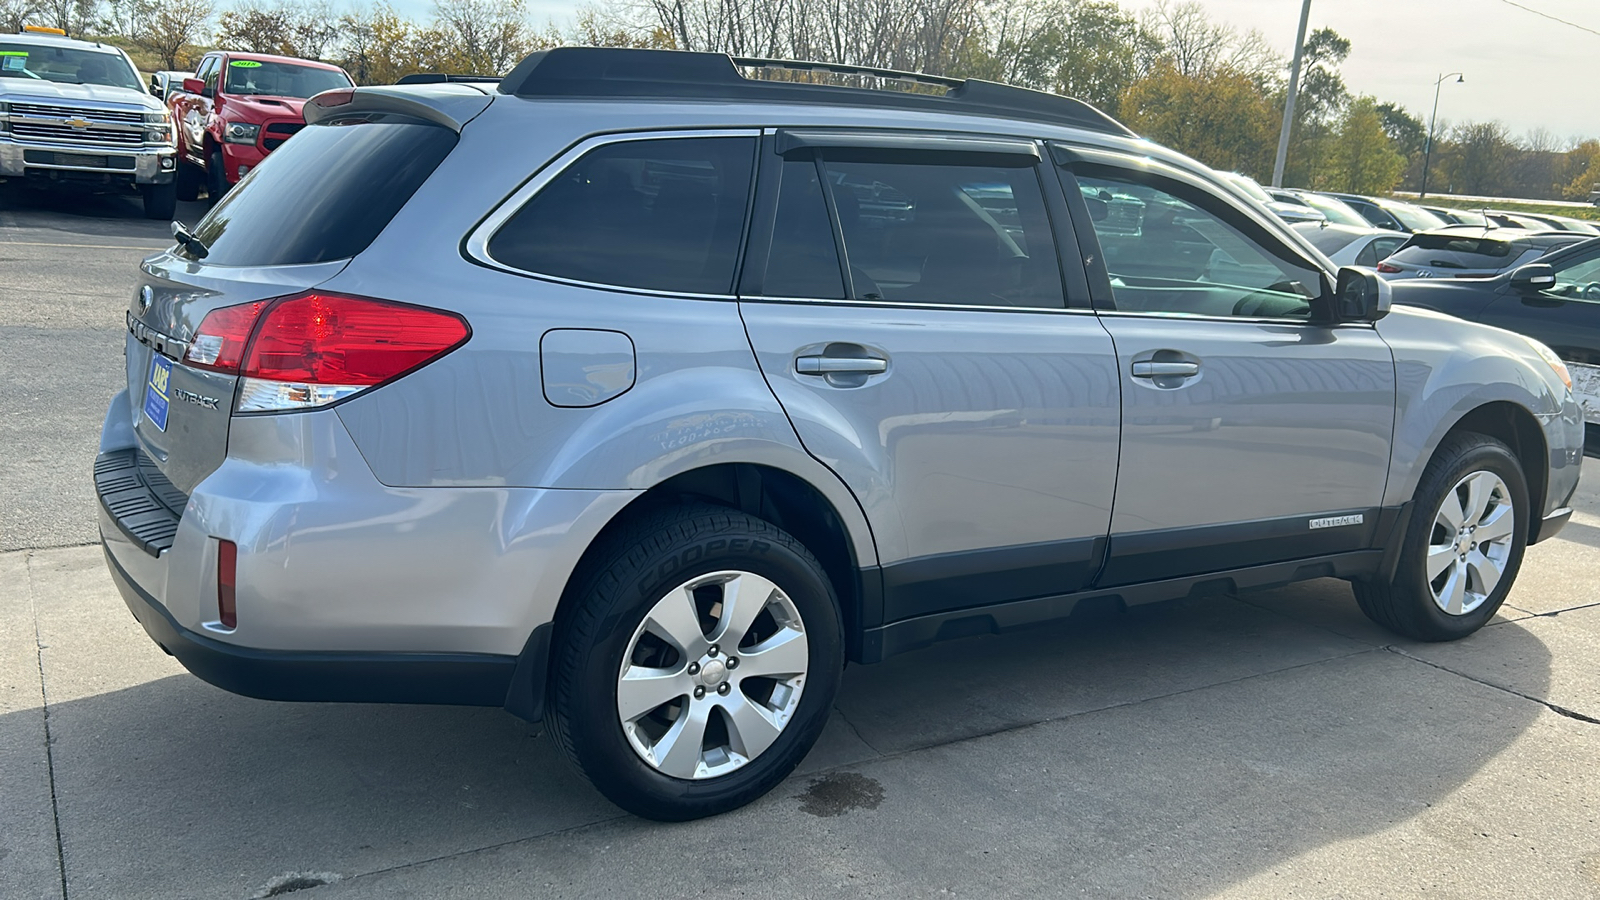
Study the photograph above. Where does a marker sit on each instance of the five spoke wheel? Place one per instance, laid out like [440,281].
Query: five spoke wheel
[1470,543]
[712,675]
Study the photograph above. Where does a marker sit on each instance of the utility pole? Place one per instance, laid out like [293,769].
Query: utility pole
[1427,146]
[1294,90]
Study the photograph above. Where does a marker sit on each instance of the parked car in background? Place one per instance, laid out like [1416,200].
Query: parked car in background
[1396,215]
[1545,221]
[1332,209]
[1462,251]
[1459,216]
[1555,300]
[1289,211]
[164,82]
[817,380]
[1352,246]
[74,115]
[238,107]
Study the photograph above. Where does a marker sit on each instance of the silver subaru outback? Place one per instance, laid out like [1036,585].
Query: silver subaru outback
[639,393]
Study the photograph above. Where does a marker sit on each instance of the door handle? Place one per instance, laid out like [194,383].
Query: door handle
[840,365]
[1150,369]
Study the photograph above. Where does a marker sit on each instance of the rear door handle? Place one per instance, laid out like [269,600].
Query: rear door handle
[840,365]
[1148,369]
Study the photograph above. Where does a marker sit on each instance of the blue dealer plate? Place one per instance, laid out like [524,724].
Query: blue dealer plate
[155,391]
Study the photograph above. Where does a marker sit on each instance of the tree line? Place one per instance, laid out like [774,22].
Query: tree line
[1170,71]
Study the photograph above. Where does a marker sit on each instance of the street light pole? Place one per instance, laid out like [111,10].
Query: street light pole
[1427,146]
[1288,104]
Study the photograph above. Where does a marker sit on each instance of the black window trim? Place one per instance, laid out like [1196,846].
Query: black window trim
[475,247]
[1069,157]
[780,144]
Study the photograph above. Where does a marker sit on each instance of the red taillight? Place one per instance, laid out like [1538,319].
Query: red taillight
[313,349]
[1390,268]
[219,343]
[227,579]
[331,340]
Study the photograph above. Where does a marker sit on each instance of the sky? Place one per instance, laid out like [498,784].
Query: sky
[1521,69]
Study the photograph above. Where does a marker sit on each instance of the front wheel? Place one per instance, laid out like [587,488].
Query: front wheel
[1463,546]
[699,665]
[160,200]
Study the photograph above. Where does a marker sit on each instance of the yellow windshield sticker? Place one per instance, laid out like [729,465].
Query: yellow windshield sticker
[245,64]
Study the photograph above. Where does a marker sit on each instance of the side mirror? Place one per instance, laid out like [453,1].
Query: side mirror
[1533,277]
[1358,296]
[193,85]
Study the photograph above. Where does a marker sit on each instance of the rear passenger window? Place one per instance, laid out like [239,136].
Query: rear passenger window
[663,214]
[916,233]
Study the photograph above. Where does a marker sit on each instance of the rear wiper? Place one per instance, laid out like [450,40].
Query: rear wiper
[195,246]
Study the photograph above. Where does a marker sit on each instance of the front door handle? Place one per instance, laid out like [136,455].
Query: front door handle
[1151,369]
[840,365]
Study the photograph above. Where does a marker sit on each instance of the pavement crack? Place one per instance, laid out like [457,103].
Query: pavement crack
[1558,710]
[49,743]
[857,732]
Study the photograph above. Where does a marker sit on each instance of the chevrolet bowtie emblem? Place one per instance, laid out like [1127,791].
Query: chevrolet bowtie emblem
[77,124]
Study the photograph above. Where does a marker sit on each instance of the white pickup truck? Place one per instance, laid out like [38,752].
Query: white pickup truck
[75,115]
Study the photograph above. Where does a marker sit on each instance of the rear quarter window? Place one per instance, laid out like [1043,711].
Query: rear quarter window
[326,194]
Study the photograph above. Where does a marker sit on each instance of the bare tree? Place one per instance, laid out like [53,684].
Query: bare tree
[16,13]
[170,27]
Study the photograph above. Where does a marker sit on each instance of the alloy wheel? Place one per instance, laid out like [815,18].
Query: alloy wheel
[1470,543]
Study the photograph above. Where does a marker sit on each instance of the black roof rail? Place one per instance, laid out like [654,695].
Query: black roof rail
[602,72]
[446,78]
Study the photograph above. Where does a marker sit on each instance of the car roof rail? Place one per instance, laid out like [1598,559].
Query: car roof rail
[615,72]
[446,78]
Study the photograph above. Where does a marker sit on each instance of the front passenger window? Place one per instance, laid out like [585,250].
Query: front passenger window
[1171,249]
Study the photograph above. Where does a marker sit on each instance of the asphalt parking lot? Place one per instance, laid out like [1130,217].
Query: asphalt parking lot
[1273,744]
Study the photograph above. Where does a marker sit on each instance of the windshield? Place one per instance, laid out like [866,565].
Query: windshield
[271,79]
[1413,217]
[1337,211]
[66,65]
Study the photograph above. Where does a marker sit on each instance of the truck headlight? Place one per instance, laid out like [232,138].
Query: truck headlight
[240,133]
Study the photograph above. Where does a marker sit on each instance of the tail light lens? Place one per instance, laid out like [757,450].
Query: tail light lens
[1389,268]
[314,349]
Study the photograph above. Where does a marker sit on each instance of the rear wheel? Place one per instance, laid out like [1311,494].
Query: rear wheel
[700,663]
[189,180]
[216,175]
[1463,546]
[160,200]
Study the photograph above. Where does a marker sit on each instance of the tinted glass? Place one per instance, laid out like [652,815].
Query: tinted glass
[1378,250]
[246,77]
[1444,251]
[1172,249]
[1414,218]
[946,234]
[663,215]
[66,65]
[804,260]
[324,195]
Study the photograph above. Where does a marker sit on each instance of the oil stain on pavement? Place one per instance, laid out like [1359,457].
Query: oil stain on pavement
[838,793]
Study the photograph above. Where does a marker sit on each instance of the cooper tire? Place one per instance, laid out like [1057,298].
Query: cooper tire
[702,552]
[1451,579]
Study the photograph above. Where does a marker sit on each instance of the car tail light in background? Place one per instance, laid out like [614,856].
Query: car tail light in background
[314,349]
[1389,268]
[227,579]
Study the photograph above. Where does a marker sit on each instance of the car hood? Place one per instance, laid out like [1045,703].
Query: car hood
[25,91]
[265,107]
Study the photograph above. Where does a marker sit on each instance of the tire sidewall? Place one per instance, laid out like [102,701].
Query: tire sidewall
[1487,455]
[632,590]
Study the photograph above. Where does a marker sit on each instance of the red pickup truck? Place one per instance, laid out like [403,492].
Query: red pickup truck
[237,108]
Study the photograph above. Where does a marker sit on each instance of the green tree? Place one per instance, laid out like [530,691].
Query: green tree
[1477,158]
[1584,161]
[1362,159]
[1406,131]
[1222,119]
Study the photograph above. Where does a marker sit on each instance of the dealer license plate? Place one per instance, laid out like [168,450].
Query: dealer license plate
[155,391]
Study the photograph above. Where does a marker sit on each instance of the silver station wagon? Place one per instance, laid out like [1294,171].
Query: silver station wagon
[640,392]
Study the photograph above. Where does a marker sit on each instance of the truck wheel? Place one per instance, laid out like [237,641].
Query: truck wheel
[160,200]
[1463,546]
[698,665]
[216,175]
[189,179]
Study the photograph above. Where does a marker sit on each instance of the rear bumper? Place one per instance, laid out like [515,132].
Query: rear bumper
[138,165]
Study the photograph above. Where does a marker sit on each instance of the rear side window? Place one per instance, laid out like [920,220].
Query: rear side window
[665,214]
[1378,250]
[324,195]
[1443,251]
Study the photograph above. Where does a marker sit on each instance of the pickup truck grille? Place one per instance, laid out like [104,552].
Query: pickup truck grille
[96,127]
